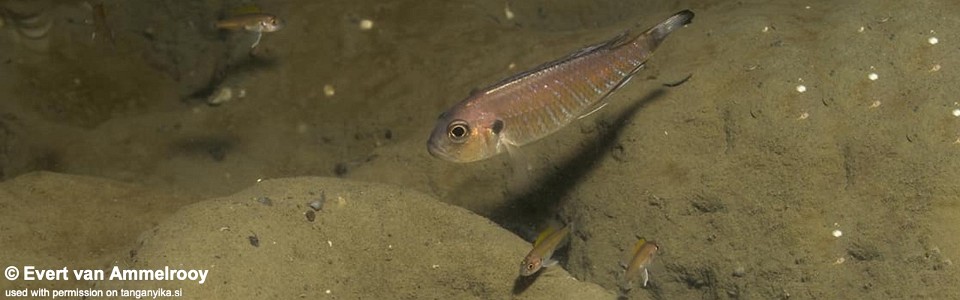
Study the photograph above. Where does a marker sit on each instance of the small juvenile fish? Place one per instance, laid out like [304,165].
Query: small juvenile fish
[531,105]
[636,261]
[541,255]
[252,22]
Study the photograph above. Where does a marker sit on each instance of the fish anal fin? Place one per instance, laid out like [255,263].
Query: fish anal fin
[595,108]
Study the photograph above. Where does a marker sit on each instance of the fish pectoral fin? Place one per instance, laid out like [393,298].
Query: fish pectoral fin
[517,157]
[521,178]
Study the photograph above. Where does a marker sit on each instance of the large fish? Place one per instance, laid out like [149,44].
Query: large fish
[531,105]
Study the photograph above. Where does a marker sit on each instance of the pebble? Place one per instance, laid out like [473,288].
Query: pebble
[310,215]
[739,272]
[366,24]
[317,204]
[329,90]
[221,96]
[265,201]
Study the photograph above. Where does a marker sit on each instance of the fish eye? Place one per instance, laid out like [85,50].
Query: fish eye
[458,131]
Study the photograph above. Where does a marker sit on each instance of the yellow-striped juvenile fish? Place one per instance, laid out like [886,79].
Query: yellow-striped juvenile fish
[533,104]
[541,256]
[636,261]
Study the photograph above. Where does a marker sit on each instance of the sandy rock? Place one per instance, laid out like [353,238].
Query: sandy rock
[367,241]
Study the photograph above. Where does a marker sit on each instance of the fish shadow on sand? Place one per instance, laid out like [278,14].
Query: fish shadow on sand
[523,282]
[541,201]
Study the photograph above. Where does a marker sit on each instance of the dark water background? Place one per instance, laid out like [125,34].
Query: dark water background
[740,177]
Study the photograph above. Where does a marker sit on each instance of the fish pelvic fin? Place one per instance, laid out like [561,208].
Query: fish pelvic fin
[646,277]
[548,262]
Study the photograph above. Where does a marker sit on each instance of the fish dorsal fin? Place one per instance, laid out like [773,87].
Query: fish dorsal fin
[651,37]
[637,246]
[617,41]
[543,235]
[620,39]
[630,254]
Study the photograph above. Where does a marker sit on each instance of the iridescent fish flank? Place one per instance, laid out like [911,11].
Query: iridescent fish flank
[531,105]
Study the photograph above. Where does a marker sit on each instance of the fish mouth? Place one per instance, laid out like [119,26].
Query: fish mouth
[437,152]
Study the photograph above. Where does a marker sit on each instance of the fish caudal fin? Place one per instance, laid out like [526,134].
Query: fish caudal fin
[663,29]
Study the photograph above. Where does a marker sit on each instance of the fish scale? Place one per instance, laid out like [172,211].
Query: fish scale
[531,105]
